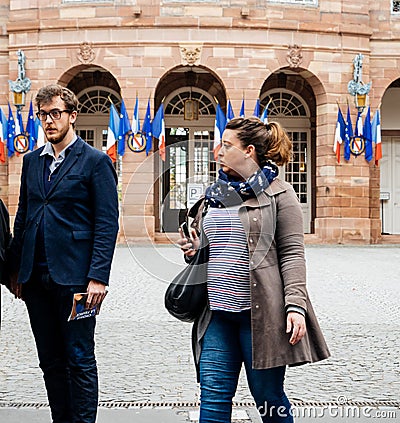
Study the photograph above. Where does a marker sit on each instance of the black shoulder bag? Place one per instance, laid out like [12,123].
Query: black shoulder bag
[186,296]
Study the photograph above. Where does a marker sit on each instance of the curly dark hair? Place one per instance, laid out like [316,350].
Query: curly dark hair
[46,94]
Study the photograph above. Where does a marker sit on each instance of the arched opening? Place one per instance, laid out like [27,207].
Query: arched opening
[390,163]
[95,88]
[292,103]
[190,96]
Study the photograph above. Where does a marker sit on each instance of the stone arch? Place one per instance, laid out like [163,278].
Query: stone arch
[95,87]
[191,76]
[302,88]
[80,77]
[178,84]
[387,173]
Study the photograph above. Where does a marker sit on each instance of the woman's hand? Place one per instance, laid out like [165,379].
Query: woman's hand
[295,323]
[189,246]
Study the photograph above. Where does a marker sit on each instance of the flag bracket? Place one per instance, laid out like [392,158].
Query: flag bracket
[356,86]
[22,84]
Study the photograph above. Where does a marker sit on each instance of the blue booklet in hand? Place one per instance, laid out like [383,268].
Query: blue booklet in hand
[79,309]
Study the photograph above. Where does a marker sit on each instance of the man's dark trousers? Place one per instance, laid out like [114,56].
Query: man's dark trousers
[65,349]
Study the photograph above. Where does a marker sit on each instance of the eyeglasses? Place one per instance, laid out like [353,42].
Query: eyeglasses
[54,114]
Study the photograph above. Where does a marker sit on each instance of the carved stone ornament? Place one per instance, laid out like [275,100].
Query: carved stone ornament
[294,56]
[22,84]
[85,53]
[190,54]
[356,86]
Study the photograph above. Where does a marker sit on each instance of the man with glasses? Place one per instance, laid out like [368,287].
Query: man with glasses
[64,238]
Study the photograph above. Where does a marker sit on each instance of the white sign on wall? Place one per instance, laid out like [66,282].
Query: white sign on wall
[194,192]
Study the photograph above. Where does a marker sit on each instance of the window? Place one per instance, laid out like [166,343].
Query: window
[296,170]
[191,1]
[97,100]
[176,105]
[306,2]
[284,104]
[395,6]
[87,1]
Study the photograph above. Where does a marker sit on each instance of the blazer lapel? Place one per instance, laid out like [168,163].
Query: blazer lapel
[69,161]
[40,174]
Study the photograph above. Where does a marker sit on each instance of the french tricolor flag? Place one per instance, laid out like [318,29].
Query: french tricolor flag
[376,136]
[339,134]
[219,127]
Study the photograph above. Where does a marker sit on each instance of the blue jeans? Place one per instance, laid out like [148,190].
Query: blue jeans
[225,346]
[65,350]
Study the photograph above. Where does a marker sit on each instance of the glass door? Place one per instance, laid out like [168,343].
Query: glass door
[298,173]
[390,185]
[174,180]
[188,169]
[96,136]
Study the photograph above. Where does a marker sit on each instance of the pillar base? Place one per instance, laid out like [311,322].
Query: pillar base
[346,231]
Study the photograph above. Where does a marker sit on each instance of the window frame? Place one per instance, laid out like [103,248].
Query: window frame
[307,3]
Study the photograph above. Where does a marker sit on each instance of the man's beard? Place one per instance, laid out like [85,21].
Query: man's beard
[55,141]
[59,138]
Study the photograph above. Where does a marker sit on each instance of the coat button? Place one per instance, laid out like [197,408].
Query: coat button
[254,219]
[251,240]
[254,284]
[257,306]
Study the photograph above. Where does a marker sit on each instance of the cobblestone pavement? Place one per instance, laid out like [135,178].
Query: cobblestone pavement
[144,354]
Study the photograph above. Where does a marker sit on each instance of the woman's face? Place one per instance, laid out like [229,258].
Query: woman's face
[235,160]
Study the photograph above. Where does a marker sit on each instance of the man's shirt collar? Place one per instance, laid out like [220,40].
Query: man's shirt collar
[48,150]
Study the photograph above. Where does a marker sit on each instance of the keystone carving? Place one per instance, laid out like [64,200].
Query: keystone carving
[190,54]
[85,53]
[294,56]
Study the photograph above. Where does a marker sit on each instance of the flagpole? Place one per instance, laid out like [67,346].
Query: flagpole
[119,161]
[266,107]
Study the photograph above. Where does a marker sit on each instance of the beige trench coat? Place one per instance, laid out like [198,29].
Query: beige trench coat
[273,224]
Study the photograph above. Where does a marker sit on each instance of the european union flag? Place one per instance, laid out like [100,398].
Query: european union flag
[10,132]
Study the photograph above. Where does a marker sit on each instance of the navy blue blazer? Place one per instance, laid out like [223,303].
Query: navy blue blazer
[80,214]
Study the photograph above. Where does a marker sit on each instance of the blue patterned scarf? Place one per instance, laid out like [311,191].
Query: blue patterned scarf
[226,192]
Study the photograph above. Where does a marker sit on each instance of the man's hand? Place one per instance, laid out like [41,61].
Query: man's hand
[295,323]
[97,292]
[15,287]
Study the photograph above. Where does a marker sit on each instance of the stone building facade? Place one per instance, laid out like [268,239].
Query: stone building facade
[296,54]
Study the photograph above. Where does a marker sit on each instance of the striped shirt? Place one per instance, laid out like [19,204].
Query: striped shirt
[228,268]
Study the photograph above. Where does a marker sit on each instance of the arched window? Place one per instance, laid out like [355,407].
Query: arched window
[96,100]
[284,104]
[93,114]
[176,105]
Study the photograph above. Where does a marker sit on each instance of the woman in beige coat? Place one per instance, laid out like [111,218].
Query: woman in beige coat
[259,312]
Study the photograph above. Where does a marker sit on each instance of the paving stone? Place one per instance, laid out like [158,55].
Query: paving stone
[144,354]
